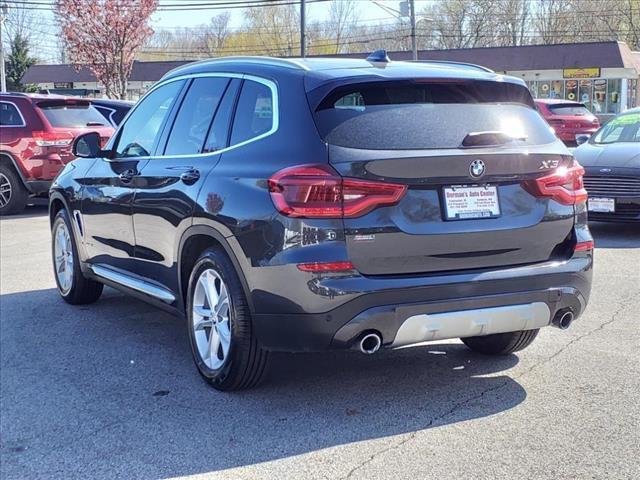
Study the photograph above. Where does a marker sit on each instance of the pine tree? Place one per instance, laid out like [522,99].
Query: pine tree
[18,63]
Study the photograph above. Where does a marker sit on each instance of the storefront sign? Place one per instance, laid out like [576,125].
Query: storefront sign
[581,72]
[62,85]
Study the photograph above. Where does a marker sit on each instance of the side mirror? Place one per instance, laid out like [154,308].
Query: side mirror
[584,138]
[87,145]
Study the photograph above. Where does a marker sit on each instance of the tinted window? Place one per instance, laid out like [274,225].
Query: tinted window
[9,115]
[623,128]
[105,112]
[138,134]
[219,132]
[569,109]
[70,116]
[254,114]
[194,118]
[414,115]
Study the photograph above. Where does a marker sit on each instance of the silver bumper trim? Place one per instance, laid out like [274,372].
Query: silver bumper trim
[471,323]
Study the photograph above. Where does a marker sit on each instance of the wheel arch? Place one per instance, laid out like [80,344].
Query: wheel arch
[193,242]
[8,159]
[57,202]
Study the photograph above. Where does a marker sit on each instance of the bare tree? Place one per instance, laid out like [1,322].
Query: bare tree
[464,23]
[554,20]
[216,34]
[273,30]
[343,16]
[515,22]
[26,24]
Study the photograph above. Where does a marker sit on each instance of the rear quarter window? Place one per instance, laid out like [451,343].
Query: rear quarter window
[10,115]
[410,115]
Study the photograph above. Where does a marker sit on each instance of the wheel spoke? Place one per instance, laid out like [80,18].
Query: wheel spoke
[202,324]
[214,345]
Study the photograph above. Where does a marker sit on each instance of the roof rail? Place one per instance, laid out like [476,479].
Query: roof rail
[459,64]
[261,60]
[14,94]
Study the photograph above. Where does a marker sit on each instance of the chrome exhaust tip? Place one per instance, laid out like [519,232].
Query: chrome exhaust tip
[563,319]
[370,343]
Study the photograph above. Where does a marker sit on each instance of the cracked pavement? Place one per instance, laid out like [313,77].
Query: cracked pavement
[109,391]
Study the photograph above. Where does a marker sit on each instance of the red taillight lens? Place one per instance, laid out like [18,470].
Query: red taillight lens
[317,191]
[326,266]
[556,123]
[565,185]
[584,246]
[52,139]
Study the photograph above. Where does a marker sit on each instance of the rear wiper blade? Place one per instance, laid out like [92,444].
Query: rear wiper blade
[489,139]
[95,124]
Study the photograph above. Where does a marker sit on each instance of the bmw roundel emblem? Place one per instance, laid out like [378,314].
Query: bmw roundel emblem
[476,169]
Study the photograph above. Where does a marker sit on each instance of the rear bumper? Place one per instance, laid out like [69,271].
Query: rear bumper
[384,305]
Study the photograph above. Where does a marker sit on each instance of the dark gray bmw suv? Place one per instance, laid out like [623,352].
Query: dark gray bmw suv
[304,205]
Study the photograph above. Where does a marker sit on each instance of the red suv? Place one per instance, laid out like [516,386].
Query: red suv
[568,119]
[36,133]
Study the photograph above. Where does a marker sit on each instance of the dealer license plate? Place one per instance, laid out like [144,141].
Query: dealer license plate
[603,205]
[463,203]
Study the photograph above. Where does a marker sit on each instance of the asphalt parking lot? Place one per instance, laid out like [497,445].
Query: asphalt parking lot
[109,391]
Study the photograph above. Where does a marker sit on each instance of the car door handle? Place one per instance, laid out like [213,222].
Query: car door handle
[127,175]
[190,176]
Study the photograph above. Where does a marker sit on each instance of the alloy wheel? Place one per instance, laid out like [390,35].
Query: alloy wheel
[5,190]
[211,319]
[63,257]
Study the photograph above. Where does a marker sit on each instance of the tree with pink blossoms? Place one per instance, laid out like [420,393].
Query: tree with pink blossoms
[104,36]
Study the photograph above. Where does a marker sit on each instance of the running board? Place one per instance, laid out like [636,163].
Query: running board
[133,283]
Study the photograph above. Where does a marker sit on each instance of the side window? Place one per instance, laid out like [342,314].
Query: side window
[139,133]
[254,114]
[219,131]
[10,116]
[194,118]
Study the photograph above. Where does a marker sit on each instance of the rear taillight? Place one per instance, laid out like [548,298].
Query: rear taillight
[556,123]
[52,139]
[564,185]
[317,191]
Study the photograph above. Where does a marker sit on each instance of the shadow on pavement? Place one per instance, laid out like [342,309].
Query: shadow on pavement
[37,207]
[615,235]
[109,390]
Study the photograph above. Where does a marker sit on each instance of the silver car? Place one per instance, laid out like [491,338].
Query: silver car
[611,159]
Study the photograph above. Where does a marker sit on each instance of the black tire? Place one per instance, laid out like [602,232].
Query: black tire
[18,194]
[82,290]
[501,343]
[246,362]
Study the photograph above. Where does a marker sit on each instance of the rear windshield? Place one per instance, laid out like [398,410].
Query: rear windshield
[72,115]
[569,109]
[409,115]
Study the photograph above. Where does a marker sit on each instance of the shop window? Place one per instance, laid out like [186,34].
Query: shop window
[585,88]
[571,90]
[599,100]
[613,96]
[556,89]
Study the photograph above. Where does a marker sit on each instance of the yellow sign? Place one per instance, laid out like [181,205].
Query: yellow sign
[581,72]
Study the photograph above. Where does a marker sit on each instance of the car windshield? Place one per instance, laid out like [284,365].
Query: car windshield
[624,128]
[568,109]
[70,116]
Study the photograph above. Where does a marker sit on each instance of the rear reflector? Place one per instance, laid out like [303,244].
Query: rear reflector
[584,246]
[317,191]
[326,266]
[51,139]
[564,185]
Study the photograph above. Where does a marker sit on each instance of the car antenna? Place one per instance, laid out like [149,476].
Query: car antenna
[379,56]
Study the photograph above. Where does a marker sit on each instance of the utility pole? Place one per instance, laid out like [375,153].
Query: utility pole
[303,34]
[3,78]
[414,42]
[408,9]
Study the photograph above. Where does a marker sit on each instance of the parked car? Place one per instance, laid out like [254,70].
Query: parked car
[611,159]
[36,132]
[568,119]
[112,110]
[299,205]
